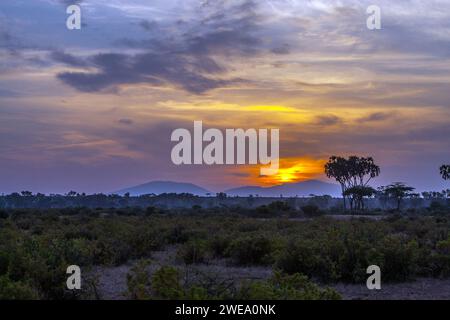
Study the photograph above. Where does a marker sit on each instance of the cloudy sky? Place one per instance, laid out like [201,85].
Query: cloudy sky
[92,110]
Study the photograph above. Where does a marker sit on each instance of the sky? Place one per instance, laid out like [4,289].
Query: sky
[92,110]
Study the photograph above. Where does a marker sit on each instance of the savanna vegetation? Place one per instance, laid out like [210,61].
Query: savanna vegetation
[305,248]
[306,253]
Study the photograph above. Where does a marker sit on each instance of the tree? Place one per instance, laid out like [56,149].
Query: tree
[337,168]
[445,171]
[352,172]
[357,194]
[398,191]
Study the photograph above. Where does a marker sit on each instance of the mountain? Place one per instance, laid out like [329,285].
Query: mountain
[158,187]
[301,189]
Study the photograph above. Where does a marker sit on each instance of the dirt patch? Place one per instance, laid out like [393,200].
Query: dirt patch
[112,281]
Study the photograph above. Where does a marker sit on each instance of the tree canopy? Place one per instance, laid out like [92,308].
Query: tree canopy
[354,172]
[398,191]
[445,171]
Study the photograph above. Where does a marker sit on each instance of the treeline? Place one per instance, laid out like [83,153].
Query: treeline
[26,199]
[355,173]
[385,199]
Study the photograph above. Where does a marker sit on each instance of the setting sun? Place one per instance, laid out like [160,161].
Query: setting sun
[289,174]
[291,170]
[295,170]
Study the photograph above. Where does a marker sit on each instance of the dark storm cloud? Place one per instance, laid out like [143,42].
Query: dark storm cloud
[224,42]
[150,68]
[68,59]
[188,61]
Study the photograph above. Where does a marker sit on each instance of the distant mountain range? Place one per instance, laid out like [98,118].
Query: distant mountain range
[158,187]
[301,189]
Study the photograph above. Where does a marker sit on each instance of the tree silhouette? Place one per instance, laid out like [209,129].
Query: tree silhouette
[352,172]
[357,194]
[337,168]
[445,171]
[398,191]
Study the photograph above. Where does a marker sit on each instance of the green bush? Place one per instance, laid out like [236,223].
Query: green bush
[286,287]
[36,246]
[16,290]
[252,250]
[219,246]
[192,252]
[166,284]
[298,257]
[138,281]
[399,258]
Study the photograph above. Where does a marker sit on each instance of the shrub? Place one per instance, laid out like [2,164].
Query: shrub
[311,210]
[3,214]
[219,246]
[192,252]
[138,281]
[441,259]
[16,290]
[178,234]
[299,257]
[287,287]
[399,258]
[256,250]
[279,206]
[166,284]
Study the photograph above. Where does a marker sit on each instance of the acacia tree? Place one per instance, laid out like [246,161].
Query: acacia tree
[398,191]
[357,194]
[445,171]
[337,168]
[354,172]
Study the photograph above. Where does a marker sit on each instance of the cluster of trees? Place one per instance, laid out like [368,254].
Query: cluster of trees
[26,199]
[436,194]
[397,191]
[354,174]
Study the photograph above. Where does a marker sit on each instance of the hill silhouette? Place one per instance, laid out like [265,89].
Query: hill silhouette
[159,187]
[301,189]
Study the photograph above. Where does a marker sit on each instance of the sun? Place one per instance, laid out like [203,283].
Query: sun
[291,170]
[294,170]
[290,174]
[286,177]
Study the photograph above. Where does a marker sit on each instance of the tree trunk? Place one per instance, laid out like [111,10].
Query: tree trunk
[343,196]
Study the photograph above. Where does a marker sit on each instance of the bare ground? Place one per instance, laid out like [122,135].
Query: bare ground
[112,283]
